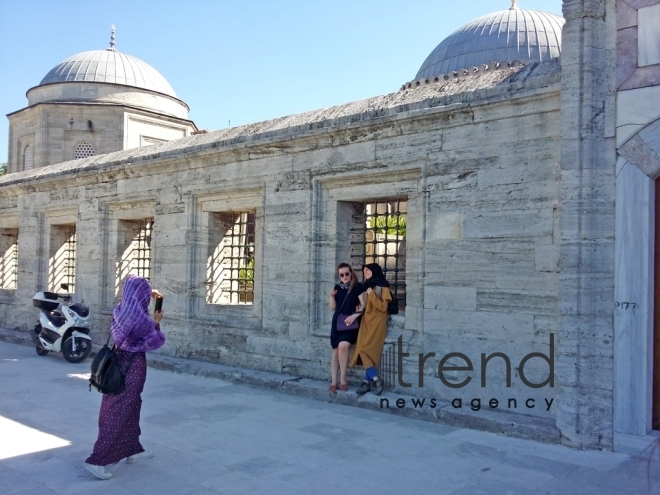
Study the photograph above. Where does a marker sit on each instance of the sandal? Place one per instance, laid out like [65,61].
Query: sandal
[363,389]
[343,386]
[332,388]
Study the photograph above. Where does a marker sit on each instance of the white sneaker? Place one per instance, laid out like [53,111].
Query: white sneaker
[142,456]
[98,471]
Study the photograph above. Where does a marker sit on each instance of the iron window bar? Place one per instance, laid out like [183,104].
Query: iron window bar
[232,266]
[379,236]
[142,247]
[9,264]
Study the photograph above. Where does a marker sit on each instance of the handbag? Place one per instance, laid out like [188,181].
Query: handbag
[341,326]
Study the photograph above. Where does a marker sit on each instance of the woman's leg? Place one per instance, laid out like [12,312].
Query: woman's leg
[343,360]
[334,366]
[371,373]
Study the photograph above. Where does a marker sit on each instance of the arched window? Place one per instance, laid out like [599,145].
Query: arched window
[83,149]
[27,158]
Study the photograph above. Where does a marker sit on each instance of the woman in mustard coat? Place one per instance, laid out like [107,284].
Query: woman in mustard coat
[373,329]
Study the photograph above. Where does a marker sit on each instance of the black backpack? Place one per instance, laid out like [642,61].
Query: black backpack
[106,375]
[392,306]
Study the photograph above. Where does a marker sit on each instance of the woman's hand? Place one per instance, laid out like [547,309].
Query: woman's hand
[350,319]
[155,294]
[359,308]
[158,316]
[333,292]
[369,290]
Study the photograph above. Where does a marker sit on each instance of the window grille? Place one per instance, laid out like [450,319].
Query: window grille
[62,263]
[27,158]
[142,248]
[230,271]
[381,238]
[83,150]
[70,257]
[135,253]
[9,259]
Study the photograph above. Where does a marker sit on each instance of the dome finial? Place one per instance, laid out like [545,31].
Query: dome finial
[514,5]
[112,37]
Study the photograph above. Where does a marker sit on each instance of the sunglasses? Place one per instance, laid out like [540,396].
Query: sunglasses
[345,274]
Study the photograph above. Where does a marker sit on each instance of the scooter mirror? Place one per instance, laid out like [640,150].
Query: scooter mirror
[65,287]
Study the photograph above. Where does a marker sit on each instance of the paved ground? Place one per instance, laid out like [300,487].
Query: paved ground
[213,437]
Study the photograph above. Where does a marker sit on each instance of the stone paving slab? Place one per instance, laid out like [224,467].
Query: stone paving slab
[211,436]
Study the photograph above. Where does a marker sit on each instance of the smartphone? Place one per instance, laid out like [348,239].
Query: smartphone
[159,305]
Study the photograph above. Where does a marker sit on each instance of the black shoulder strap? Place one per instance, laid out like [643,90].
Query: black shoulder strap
[344,302]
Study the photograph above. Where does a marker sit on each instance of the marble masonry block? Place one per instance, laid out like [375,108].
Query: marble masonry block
[634,108]
[547,258]
[643,150]
[508,224]
[451,298]
[514,175]
[399,149]
[490,324]
[649,36]
[444,226]
[643,77]
[521,301]
[638,4]
[626,16]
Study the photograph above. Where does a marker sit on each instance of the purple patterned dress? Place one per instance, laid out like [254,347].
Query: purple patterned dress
[134,333]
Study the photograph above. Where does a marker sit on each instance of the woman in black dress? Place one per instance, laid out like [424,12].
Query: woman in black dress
[345,299]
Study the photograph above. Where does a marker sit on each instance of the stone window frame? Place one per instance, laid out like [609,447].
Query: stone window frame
[61,255]
[18,159]
[48,220]
[28,149]
[11,222]
[130,209]
[135,238]
[238,246]
[204,206]
[331,220]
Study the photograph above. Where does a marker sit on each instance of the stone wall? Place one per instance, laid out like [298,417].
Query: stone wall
[53,130]
[481,175]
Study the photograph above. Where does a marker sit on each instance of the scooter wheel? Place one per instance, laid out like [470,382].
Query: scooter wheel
[80,353]
[41,351]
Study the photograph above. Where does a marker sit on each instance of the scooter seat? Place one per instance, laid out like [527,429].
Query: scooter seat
[56,318]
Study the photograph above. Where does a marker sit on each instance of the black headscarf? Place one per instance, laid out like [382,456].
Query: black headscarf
[377,277]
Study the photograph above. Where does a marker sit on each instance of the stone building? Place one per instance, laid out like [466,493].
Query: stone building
[93,103]
[509,192]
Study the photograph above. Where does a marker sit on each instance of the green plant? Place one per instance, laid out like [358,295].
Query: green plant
[3,168]
[394,225]
[247,273]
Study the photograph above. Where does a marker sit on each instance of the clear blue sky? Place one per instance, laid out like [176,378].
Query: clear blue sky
[243,61]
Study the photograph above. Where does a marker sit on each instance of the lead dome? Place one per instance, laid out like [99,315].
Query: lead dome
[508,35]
[109,66]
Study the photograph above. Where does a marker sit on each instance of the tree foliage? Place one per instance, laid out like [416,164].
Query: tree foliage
[394,225]
[247,273]
[3,168]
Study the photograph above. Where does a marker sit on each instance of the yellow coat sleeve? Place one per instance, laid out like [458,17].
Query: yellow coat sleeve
[380,304]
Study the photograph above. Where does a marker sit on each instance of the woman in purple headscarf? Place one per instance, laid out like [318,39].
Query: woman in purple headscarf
[134,333]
